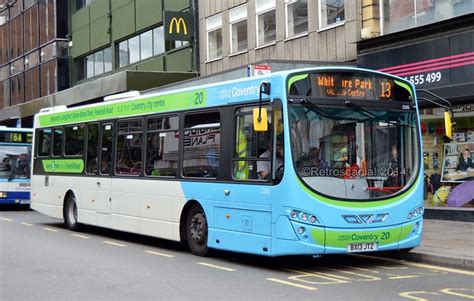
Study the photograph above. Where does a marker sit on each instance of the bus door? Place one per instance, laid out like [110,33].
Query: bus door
[104,182]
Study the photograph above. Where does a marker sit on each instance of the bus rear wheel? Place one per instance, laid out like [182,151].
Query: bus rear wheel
[196,231]
[70,213]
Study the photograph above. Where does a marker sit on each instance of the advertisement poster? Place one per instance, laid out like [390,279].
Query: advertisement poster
[458,162]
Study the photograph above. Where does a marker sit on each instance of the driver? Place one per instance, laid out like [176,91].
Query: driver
[264,166]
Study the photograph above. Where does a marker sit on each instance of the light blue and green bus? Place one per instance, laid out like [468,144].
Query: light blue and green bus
[309,161]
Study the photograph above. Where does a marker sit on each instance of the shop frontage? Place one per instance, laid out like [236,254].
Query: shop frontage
[438,58]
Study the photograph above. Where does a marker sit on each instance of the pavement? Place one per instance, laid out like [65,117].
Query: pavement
[446,243]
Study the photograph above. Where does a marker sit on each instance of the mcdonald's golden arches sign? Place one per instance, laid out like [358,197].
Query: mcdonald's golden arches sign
[178,26]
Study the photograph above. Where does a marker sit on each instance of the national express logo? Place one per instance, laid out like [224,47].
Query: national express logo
[178,26]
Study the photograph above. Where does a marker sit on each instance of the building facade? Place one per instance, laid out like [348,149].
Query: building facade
[33,51]
[234,34]
[72,52]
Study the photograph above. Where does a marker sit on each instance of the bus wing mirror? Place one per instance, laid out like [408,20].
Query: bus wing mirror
[448,126]
[260,121]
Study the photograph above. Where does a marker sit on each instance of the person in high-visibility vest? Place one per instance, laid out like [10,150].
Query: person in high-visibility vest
[242,171]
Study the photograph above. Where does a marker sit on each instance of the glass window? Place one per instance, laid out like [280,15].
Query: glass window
[92,159]
[134,49]
[162,146]
[98,63]
[146,45]
[404,14]
[89,66]
[28,3]
[17,66]
[123,54]
[48,77]
[266,22]
[48,52]
[108,59]
[375,150]
[44,142]
[250,146]
[58,135]
[238,29]
[106,149]
[129,148]
[15,161]
[17,89]
[158,41]
[31,60]
[32,89]
[331,12]
[4,42]
[74,141]
[214,37]
[296,17]
[201,141]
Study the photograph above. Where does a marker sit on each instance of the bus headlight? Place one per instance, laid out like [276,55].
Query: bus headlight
[303,217]
[3,194]
[415,212]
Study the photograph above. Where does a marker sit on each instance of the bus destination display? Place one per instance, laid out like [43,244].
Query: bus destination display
[353,86]
[15,137]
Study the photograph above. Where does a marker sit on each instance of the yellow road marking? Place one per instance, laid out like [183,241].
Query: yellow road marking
[292,284]
[408,295]
[80,236]
[333,279]
[159,254]
[26,224]
[50,229]
[367,277]
[448,291]
[7,219]
[421,265]
[216,266]
[114,243]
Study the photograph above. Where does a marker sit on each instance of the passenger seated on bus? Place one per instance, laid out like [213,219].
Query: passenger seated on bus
[264,167]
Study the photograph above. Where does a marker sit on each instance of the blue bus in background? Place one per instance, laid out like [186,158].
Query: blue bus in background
[15,162]
[309,161]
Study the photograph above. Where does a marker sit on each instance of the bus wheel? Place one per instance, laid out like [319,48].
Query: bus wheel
[70,213]
[196,231]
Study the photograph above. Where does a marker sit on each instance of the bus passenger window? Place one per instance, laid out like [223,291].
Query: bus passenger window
[202,141]
[129,148]
[162,146]
[44,142]
[74,140]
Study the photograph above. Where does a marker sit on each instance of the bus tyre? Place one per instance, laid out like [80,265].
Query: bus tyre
[196,231]
[70,213]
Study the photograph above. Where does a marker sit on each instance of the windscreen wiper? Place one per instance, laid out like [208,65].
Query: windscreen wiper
[367,113]
[313,107]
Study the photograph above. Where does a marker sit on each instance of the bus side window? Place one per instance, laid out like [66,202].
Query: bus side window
[162,146]
[74,145]
[44,142]
[202,144]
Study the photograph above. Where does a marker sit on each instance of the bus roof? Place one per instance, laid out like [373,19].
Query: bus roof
[226,92]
